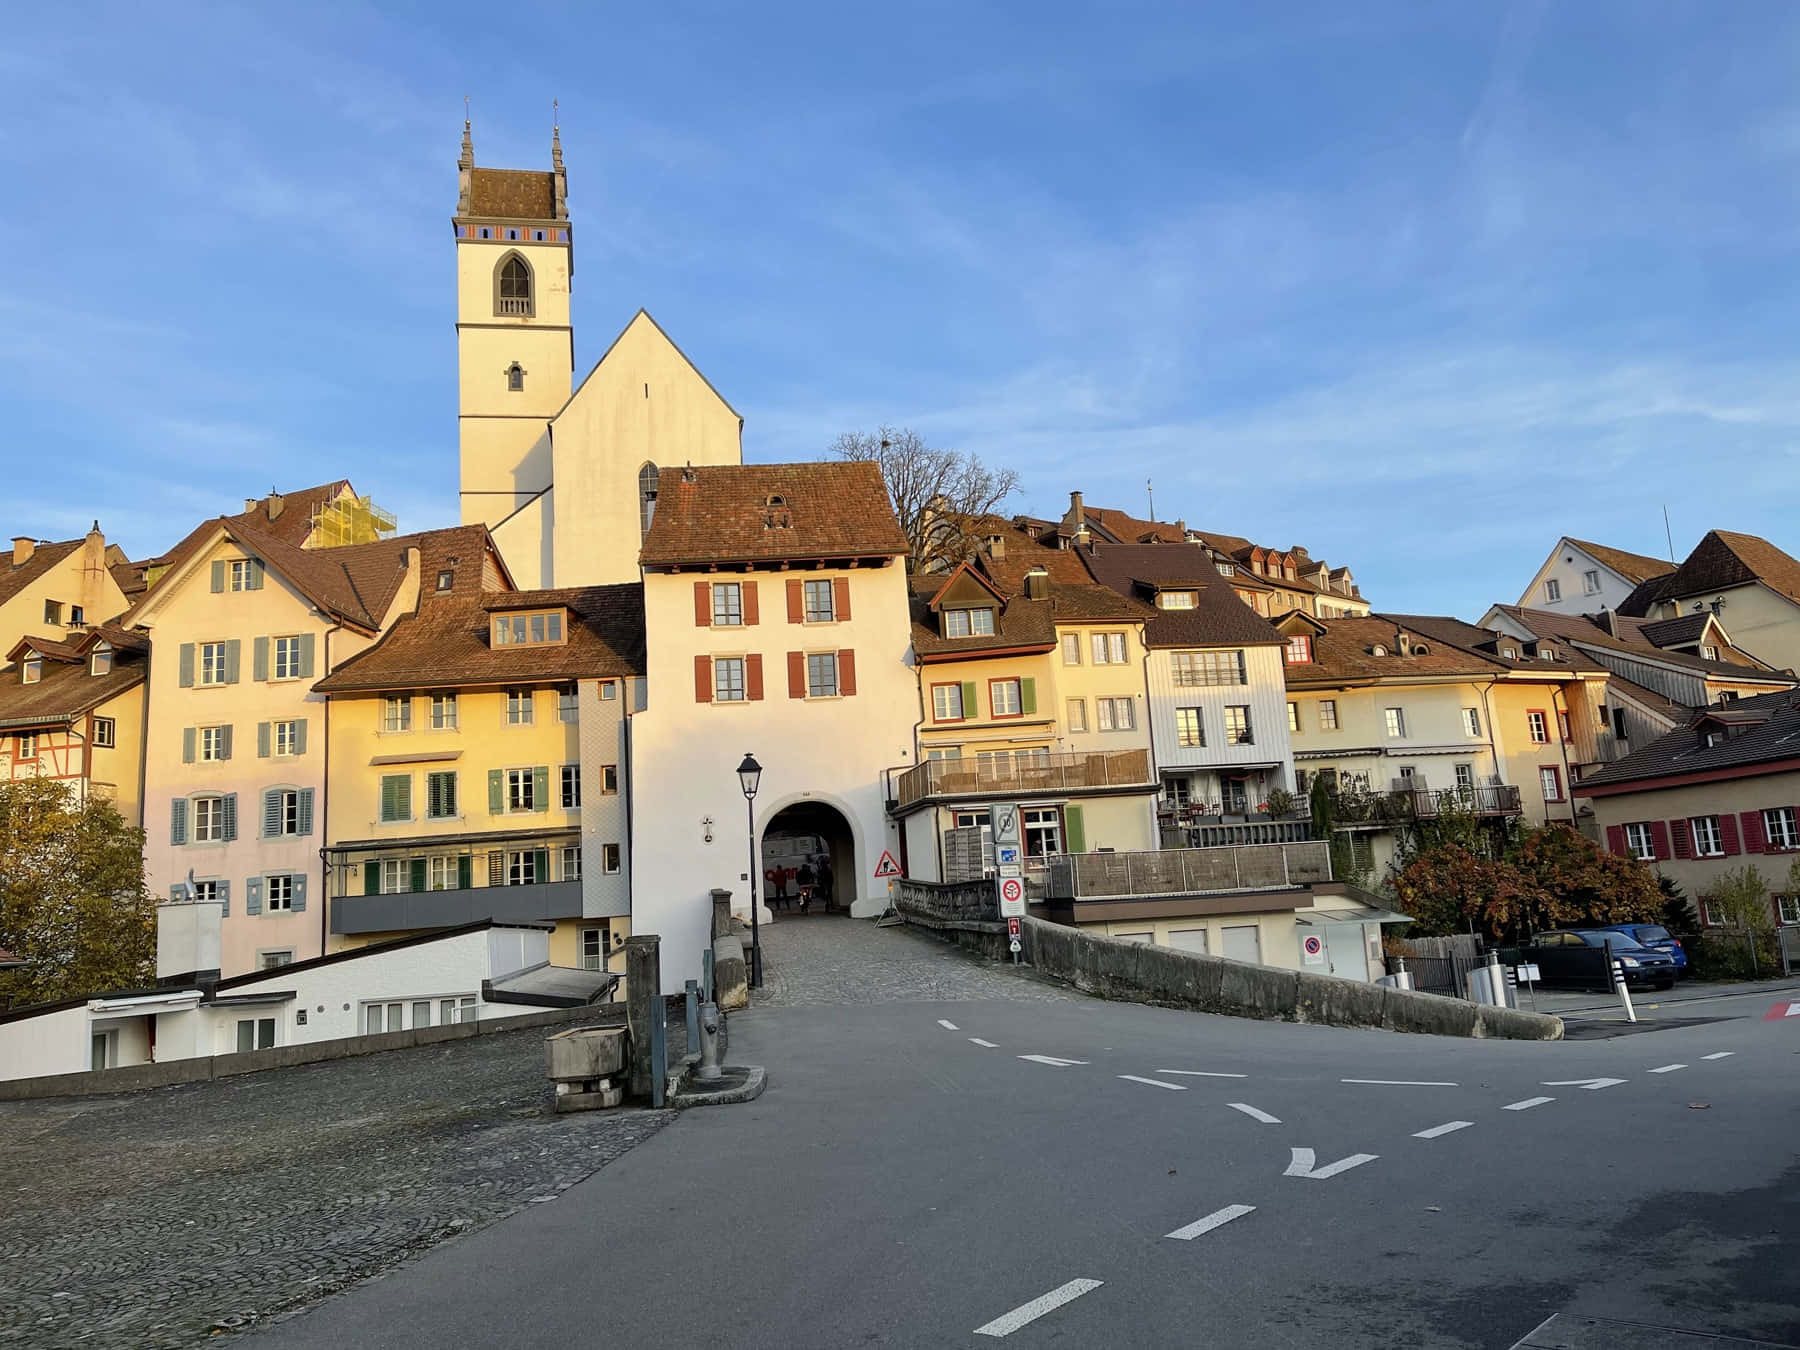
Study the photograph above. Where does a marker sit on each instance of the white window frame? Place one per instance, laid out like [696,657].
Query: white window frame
[596,940]
[284,657]
[1071,649]
[1787,908]
[1393,722]
[1472,721]
[1716,836]
[1299,650]
[440,872]
[819,665]
[208,812]
[238,575]
[210,669]
[810,610]
[1639,842]
[396,876]
[1175,600]
[443,712]
[520,788]
[521,867]
[1293,716]
[1537,727]
[278,893]
[520,705]
[1075,714]
[724,689]
[569,862]
[1108,649]
[1784,816]
[1047,823]
[282,737]
[1208,669]
[1552,589]
[1328,714]
[1590,582]
[568,706]
[1550,782]
[396,713]
[609,859]
[939,703]
[1003,703]
[290,813]
[211,741]
[1107,714]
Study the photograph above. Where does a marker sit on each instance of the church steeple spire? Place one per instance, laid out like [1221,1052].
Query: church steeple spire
[465,165]
[556,160]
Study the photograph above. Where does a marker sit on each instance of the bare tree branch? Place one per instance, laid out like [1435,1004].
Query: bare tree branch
[939,495]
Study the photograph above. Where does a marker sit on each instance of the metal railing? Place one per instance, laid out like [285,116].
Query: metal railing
[1250,832]
[1023,774]
[1188,871]
[1408,804]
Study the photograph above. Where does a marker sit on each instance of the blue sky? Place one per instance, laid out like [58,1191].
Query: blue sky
[1419,286]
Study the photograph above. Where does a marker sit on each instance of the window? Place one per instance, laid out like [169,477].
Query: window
[1562,724]
[515,378]
[212,663]
[571,787]
[442,873]
[76,616]
[1787,907]
[209,820]
[571,862]
[1510,653]
[568,706]
[514,287]
[1546,653]
[968,622]
[1003,698]
[1553,590]
[25,745]
[648,477]
[1293,717]
[727,604]
[1328,714]
[609,780]
[1299,649]
[518,707]
[521,868]
[1115,714]
[1590,583]
[1043,831]
[1708,841]
[396,797]
[821,675]
[241,575]
[609,858]
[542,628]
[1076,715]
[1639,841]
[1472,721]
[1710,914]
[396,875]
[100,663]
[53,612]
[728,679]
[593,948]
[456,1010]
[32,669]
[443,712]
[1237,725]
[820,602]
[446,579]
[1109,649]
[1709,653]
[381,1017]
[1539,726]
[396,714]
[1465,777]
[947,702]
[1395,720]
[278,893]
[1189,729]
[521,794]
[105,732]
[1071,649]
[1176,599]
[286,738]
[215,744]
[1778,828]
[440,795]
[276,960]
[1203,668]
[257,1033]
[1550,780]
[287,658]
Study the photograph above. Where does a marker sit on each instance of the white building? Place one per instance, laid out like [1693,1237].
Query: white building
[1584,578]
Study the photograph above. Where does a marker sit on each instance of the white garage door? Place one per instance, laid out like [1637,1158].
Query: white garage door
[1243,943]
[1137,937]
[1188,939]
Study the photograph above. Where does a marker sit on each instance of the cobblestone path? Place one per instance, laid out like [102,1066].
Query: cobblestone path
[829,959]
[149,1219]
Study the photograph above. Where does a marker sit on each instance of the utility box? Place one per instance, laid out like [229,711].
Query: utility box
[582,1062]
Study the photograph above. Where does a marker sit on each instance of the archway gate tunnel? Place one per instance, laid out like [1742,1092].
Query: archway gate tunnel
[808,840]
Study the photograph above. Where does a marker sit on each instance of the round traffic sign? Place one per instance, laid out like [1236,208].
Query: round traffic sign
[1314,946]
[1012,888]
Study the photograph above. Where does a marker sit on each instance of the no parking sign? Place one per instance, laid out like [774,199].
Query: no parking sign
[1313,949]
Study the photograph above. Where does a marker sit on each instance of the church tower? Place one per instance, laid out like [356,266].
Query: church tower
[515,348]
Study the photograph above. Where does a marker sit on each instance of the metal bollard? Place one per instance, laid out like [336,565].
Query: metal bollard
[1402,977]
[693,1016]
[708,1070]
[1619,986]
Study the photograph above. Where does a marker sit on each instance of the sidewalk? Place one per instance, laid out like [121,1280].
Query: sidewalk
[1589,1005]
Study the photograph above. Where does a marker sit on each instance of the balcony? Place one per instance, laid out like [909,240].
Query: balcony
[408,911]
[1404,805]
[1189,871]
[1016,776]
[1249,832]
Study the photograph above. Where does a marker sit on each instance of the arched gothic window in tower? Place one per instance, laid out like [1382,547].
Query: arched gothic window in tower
[513,287]
[647,481]
[515,378]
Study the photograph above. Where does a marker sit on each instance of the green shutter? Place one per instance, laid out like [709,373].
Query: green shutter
[218,577]
[1074,833]
[187,745]
[300,736]
[496,792]
[971,708]
[187,665]
[306,811]
[297,901]
[259,658]
[178,821]
[464,872]
[224,899]
[225,741]
[231,661]
[306,656]
[372,878]
[262,740]
[271,813]
[253,896]
[228,810]
[253,581]
[1028,696]
[418,874]
[540,864]
[540,788]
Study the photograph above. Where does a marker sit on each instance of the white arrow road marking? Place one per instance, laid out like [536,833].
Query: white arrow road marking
[1722,1054]
[1669,1068]
[1027,1313]
[1218,1218]
[1527,1104]
[1302,1165]
[1201,1073]
[1586,1084]
[1253,1113]
[1393,1082]
[1052,1060]
[976,1040]
[947,1025]
[1449,1127]
[1153,1082]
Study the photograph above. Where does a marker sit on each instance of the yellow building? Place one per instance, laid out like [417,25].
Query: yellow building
[479,769]
[73,709]
[55,590]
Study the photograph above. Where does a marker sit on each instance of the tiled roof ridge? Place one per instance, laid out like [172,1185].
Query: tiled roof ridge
[1634,567]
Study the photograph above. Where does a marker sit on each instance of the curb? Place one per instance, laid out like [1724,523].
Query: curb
[747,1091]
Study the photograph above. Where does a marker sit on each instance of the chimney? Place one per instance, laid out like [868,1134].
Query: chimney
[1401,646]
[1037,584]
[23,548]
[250,504]
[277,504]
[996,546]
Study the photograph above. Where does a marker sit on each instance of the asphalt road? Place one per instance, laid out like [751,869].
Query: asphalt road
[902,1184]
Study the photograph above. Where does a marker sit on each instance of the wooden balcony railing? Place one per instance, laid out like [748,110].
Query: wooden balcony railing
[1016,775]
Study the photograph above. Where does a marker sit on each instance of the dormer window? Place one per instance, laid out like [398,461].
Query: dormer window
[1709,653]
[1175,599]
[537,628]
[446,579]
[968,623]
[1225,569]
[1378,650]
[100,661]
[32,670]
[1299,649]
[1510,653]
[1546,653]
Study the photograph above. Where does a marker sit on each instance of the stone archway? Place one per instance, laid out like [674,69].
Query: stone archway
[819,837]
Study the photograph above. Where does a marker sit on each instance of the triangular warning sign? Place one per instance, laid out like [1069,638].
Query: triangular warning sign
[887,867]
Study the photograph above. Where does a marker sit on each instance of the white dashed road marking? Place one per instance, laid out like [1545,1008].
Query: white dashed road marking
[1449,1127]
[976,1040]
[1527,1104]
[1302,1164]
[1216,1219]
[1052,1060]
[1253,1113]
[1152,1082]
[947,1025]
[1393,1082]
[1668,1068]
[1030,1312]
[1585,1084]
[1722,1054]
[1202,1073]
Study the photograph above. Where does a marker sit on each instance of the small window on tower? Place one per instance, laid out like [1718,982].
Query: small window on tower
[515,377]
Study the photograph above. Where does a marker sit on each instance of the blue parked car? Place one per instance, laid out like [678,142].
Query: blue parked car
[1656,937]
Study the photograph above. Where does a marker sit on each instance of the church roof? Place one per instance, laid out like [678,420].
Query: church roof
[512,194]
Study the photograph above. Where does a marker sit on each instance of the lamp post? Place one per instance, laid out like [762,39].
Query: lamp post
[750,778]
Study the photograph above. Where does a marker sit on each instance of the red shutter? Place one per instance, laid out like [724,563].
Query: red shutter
[703,604]
[1615,839]
[1728,835]
[1684,840]
[753,677]
[751,613]
[703,679]
[1659,839]
[1754,839]
[796,601]
[840,594]
[796,674]
[846,673]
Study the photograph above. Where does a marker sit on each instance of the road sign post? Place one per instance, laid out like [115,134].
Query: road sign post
[1012,937]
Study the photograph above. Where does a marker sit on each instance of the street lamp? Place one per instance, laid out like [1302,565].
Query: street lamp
[750,778]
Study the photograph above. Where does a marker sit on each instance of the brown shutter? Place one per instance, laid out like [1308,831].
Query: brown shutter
[796,601]
[750,606]
[703,604]
[753,677]
[703,679]
[846,673]
[796,674]
[840,594]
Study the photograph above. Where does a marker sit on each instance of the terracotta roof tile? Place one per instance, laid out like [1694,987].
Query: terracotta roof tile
[43,558]
[66,690]
[1578,628]
[512,194]
[1633,567]
[1721,560]
[734,513]
[1219,618]
[1020,623]
[1773,735]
